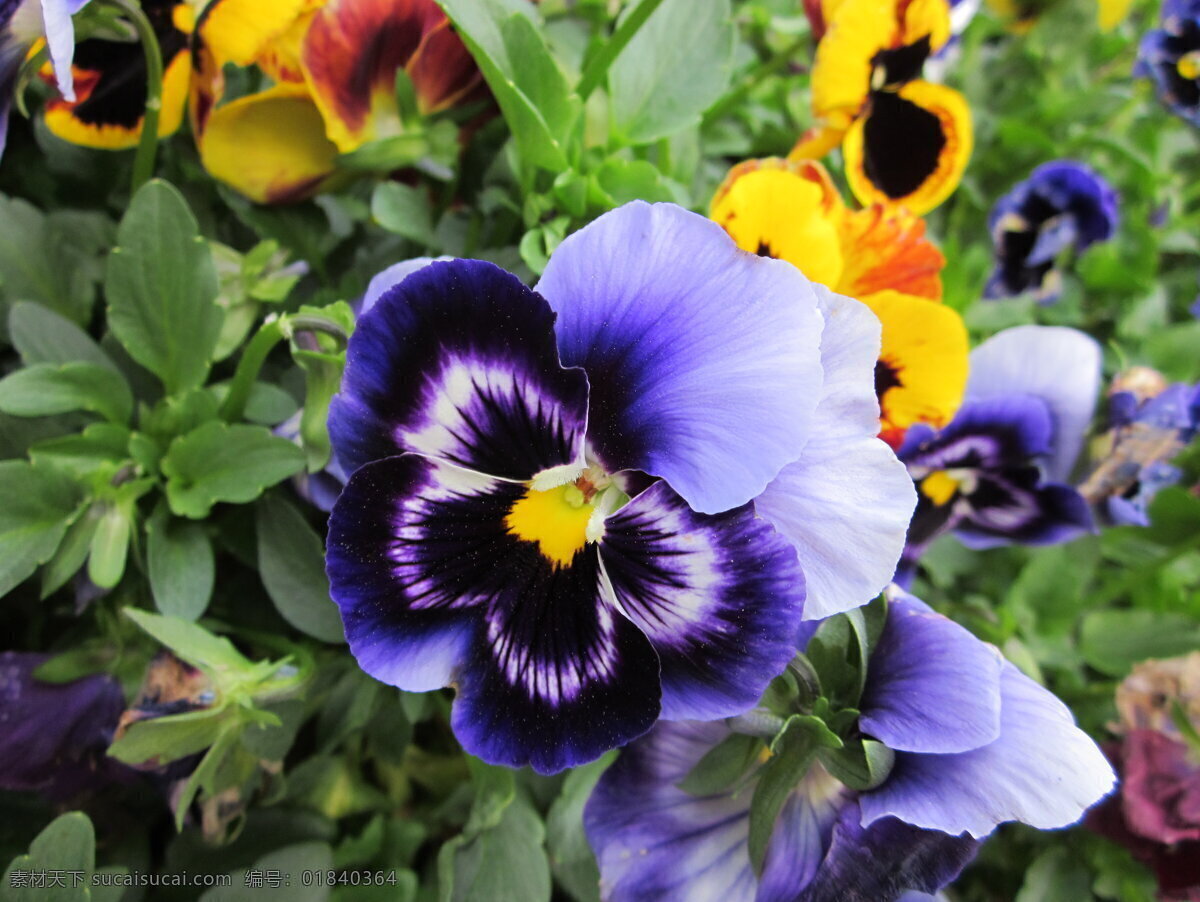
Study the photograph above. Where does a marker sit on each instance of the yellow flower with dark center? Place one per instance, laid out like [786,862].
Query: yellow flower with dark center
[906,141]
[110,84]
[922,370]
[880,255]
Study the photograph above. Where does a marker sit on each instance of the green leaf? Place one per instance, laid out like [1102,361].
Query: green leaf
[290,862]
[162,287]
[218,462]
[161,740]
[674,68]
[37,504]
[571,859]
[518,68]
[1056,875]
[67,844]
[495,790]
[621,181]
[405,211]
[507,861]
[1113,641]
[291,562]
[180,564]
[100,448]
[42,336]
[792,752]
[44,389]
[48,258]
[722,766]
[190,642]
[860,765]
[110,545]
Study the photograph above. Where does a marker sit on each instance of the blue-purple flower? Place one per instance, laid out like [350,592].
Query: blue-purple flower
[1147,431]
[1170,55]
[53,736]
[976,743]
[550,500]
[1062,207]
[999,472]
[21,23]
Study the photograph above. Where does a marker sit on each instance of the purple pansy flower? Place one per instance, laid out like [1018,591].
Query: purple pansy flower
[976,743]
[998,472]
[1062,205]
[21,23]
[1147,432]
[53,736]
[550,500]
[1170,55]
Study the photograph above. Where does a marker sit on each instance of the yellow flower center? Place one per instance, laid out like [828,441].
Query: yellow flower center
[555,519]
[1189,65]
[939,487]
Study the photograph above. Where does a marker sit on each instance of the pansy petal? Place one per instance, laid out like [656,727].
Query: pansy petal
[880,862]
[886,248]
[241,31]
[442,70]
[922,367]
[60,40]
[1002,431]
[718,596]
[702,358]
[1043,771]
[110,84]
[795,856]
[1003,510]
[847,490]
[413,550]
[1059,365]
[382,282]
[459,361]
[911,148]
[656,843]
[270,146]
[932,686]
[562,676]
[351,54]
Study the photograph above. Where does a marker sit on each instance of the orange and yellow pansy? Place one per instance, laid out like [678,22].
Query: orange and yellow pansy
[880,255]
[905,141]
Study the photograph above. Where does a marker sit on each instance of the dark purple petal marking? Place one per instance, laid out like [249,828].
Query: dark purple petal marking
[880,863]
[459,362]
[719,597]
[562,676]
[416,548]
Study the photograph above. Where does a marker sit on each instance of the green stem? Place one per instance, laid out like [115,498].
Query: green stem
[253,357]
[147,149]
[597,68]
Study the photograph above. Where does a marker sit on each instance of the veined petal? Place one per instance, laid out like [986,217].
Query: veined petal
[1005,509]
[931,686]
[847,490]
[1043,771]
[459,361]
[350,57]
[718,596]
[703,359]
[1059,365]
[922,369]
[560,676]
[413,556]
[885,247]
[656,843]
[270,146]
[790,211]
[881,861]
[910,148]
[442,70]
